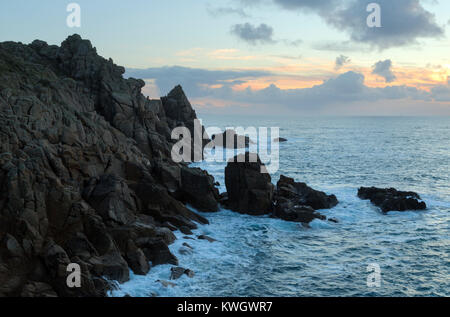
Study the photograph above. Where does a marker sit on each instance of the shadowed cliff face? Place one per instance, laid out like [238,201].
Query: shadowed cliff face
[85,171]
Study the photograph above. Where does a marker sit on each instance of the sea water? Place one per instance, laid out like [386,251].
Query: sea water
[261,256]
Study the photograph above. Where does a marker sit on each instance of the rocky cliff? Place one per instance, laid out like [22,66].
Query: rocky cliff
[85,171]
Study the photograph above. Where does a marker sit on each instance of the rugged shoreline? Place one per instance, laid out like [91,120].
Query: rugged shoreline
[87,177]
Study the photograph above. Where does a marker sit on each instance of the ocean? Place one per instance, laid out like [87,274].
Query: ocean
[261,256]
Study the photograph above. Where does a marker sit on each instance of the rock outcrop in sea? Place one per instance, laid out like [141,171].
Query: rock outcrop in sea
[390,199]
[231,140]
[86,175]
[249,190]
[298,202]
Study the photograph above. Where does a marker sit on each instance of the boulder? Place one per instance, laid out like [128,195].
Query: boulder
[177,272]
[288,211]
[298,203]
[249,186]
[164,208]
[280,140]
[390,199]
[207,238]
[186,230]
[230,140]
[111,265]
[303,195]
[138,261]
[156,251]
[199,190]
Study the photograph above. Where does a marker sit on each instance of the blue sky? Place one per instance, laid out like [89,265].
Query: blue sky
[250,56]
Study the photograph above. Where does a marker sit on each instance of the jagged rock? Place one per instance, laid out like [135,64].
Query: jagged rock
[334,220]
[169,226]
[390,199]
[185,230]
[138,261]
[231,140]
[80,246]
[204,237]
[156,251]
[37,289]
[179,112]
[301,194]
[280,140]
[290,212]
[164,208]
[199,190]
[56,260]
[111,265]
[191,185]
[79,151]
[166,235]
[298,203]
[249,186]
[177,272]
[112,199]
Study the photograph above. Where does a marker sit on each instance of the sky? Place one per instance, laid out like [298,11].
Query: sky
[275,57]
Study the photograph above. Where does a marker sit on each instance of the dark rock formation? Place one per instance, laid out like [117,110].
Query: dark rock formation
[190,185]
[81,151]
[207,238]
[390,199]
[301,194]
[231,140]
[250,191]
[177,272]
[198,189]
[179,113]
[288,211]
[280,140]
[297,202]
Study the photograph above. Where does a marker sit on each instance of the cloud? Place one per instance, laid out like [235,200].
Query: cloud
[313,5]
[384,69]
[341,90]
[338,92]
[404,22]
[253,34]
[193,79]
[222,11]
[288,57]
[341,60]
[294,43]
[343,46]
[441,93]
